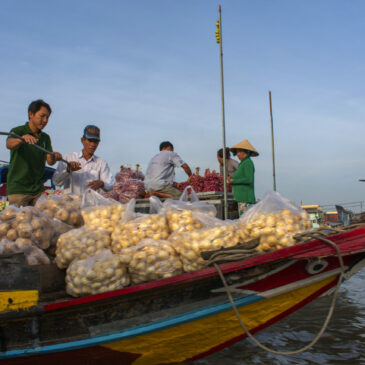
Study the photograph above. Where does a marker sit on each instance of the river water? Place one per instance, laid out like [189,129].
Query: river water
[342,343]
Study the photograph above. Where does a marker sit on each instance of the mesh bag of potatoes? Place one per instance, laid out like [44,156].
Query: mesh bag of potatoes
[33,254]
[96,274]
[215,235]
[130,232]
[151,260]
[179,213]
[274,220]
[65,208]
[100,212]
[28,223]
[80,243]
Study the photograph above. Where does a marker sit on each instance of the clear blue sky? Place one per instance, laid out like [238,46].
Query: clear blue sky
[147,71]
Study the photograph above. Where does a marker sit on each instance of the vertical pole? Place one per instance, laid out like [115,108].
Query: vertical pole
[223,116]
[272,145]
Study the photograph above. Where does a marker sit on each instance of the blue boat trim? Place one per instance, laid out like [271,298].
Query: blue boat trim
[137,331]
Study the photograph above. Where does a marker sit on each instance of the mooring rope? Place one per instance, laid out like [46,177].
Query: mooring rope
[316,235]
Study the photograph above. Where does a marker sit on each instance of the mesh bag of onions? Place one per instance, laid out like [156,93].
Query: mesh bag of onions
[151,260]
[135,227]
[274,220]
[65,208]
[100,212]
[214,235]
[96,274]
[79,243]
[179,212]
[33,254]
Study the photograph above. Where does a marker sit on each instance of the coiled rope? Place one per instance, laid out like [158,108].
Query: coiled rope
[235,255]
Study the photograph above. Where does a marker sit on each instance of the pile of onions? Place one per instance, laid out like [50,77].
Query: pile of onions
[96,274]
[80,243]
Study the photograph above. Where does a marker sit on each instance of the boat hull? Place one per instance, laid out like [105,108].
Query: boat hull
[178,319]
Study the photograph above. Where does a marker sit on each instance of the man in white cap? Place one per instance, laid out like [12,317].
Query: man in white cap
[88,170]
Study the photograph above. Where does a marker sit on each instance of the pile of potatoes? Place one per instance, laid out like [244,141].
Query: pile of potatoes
[190,245]
[96,274]
[65,208]
[103,217]
[127,234]
[151,260]
[33,254]
[275,230]
[79,244]
[28,223]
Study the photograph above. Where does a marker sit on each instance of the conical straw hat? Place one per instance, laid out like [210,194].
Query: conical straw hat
[245,145]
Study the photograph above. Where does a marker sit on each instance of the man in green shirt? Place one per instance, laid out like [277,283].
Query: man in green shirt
[27,163]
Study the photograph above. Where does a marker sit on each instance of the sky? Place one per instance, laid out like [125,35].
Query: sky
[148,71]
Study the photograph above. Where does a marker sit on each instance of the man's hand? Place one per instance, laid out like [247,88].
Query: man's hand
[29,139]
[52,158]
[95,185]
[57,156]
[229,180]
[75,166]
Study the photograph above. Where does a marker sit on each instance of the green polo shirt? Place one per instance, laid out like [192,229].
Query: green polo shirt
[27,164]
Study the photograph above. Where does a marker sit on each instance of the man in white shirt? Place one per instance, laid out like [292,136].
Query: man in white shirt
[88,170]
[160,172]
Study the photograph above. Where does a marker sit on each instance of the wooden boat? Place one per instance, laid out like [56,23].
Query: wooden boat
[167,321]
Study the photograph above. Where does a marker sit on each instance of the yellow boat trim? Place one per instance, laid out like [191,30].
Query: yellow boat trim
[15,300]
[187,340]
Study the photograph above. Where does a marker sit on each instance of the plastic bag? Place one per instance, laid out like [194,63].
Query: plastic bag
[151,260]
[65,208]
[81,243]
[96,274]
[129,233]
[100,212]
[275,220]
[33,254]
[29,223]
[216,234]
[179,212]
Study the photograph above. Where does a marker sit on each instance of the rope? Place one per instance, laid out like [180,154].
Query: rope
[325,324]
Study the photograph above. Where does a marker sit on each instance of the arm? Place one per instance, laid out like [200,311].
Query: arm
[15,143]
[186,169]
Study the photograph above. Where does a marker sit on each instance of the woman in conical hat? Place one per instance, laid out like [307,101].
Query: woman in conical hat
[243,180]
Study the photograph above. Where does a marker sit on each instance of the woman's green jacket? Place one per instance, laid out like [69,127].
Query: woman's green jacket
[244,182]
